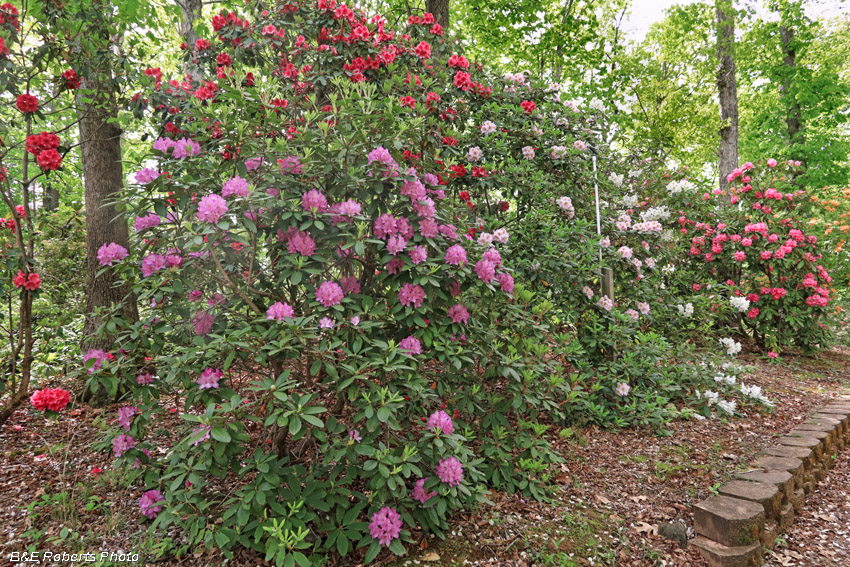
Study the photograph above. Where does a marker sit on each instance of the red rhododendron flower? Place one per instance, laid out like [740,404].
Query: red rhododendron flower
[28,281]
[27,103]
[49,160]
[50,399]
[423,50]
[3,49]
[53,399]
[72,81]
[528,106]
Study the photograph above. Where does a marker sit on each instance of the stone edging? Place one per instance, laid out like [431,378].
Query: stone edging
[752,510]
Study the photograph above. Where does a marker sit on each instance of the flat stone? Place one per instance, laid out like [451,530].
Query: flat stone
[814,445]
[676,531]
[768,495]
[814,434]
[842,419]
[837,408]
[782,480]
[719,555]
[792,465]
[729,521]
[809,442]
[803,453]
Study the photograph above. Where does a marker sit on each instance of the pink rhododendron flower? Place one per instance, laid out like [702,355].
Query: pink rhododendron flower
[428,228]
[125,416]
[450,471]
[440,421]
[418,254]
[455,255]
[151,503]
[740,256]
[506,281]
[290,164]
[301,243]
[110,253]
[411,295]
[771,162]
[396,244]
[458,313]
[99,357]
[326,323]
[418,492]
[313,200]
[235,186]
[209,379]
[145,378]
[385,525]
[146,175]
[153,263]
[411,345]
[329,294]
[486,270]
[211,208]
[150,220]
[773,354]
[122,444]
[355,436]
[385,225]
[280,311]
[186,147]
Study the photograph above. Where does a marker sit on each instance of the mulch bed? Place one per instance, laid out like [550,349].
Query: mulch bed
[613,491]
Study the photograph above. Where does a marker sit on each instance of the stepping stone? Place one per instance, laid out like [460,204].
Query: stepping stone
[814,445]
[768,495]
[824,420]
[719,555]
[814,434]
[803,453]
[731,522]
[842,419]
[792,465]
[830,430]
[782,480]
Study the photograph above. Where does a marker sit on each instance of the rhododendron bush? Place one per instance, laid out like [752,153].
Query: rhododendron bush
[745,258]
[334,327]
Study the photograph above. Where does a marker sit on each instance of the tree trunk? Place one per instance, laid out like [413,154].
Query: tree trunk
[727,90]
[440,9]
[192,10]
[103,178]
[794,114]
[51,197]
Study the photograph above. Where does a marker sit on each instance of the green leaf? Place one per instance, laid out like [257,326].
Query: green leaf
[220,434]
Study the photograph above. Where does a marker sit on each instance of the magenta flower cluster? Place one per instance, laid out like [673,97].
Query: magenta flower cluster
[209,378]
[385,525]
[450,471]
[111,253]
[329,294]
[440,421]
[151,503]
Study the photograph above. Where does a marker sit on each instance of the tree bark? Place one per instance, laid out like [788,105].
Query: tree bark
[727,90]
[51,197]
[103,180]
[440,9]
[794,114]
[192,10]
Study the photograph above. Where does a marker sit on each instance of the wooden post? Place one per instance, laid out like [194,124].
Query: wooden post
[608,283]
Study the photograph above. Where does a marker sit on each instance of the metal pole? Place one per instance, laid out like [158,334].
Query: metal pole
[607,274]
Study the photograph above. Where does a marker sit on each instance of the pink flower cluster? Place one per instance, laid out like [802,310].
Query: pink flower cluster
[110,253]
[211,208]
[235,186]
[151,503]
[150,220]
[209,378]
[440,421]
[450,471]
[280,311]
[385,525]
[329,294]
[411,295]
